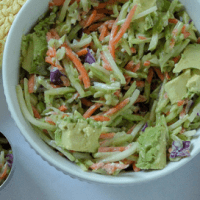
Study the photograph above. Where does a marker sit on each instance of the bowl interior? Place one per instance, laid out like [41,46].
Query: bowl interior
[22,24]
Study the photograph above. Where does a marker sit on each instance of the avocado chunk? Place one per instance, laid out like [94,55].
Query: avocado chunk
[152,153]
[78,134]
[176,89]
[193,84]
[189,59]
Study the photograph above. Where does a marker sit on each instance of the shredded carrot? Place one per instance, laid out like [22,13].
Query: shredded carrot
[52,34]
[165,95]
[82,52]
[94,27]
[4,174]
[167,76]
[51,52]
[31,83]
[36,113]
[131,129]
[106,135]
[96,166]
[110,168]
[49,120]
[58,2]
[147,63]
[183,28]
[103,33]
[159,73]
[45,131]
[136,67]
[117,107]
[91,110]
[100,118]
[91,19]
[64,115]
[108,24]
[141,98]
[101,5]
[65,81]
[186,34]
[172,43]
[105,11]
[125,26]
[142,37]
[117,93]
[133,50]
[113,33]
[167,113]
[135,169]
[111,149]
[107,64]
[130,65]
[173,21]
[181,102]
[150,75]
[140,83]
[79,66]
[48,59]
[176,59]
[63,108]
[86,102]
[198,40]
[55,86]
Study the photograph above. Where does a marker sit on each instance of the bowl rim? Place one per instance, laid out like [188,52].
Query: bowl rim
[100,179]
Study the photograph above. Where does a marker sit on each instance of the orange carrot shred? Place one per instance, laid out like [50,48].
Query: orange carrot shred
[135,169]
[130,65]
[96,166]
[150,75]
[51,52]
[86,102]
[176,59]
[117,107]
[49,120]
[167,76]
[79,66]
[142,37]
[141,98]
[4,174]
[94,27]
[181,102]
[106,135]
[131,129]
[58,2]
[125,26]
[198,40]
[31,83]
[65,81]
[111,149]
[82,52]
[63,108]
[133,50]
[91,19]
[159,73]
[100,118]
[103,33]
[140,83]
[91,110]
[36,113]
[136,67]
[147,63]
[173,21]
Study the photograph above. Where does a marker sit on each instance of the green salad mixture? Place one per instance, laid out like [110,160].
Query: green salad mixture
[113,85]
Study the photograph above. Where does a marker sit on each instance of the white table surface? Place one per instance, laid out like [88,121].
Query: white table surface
[35,179]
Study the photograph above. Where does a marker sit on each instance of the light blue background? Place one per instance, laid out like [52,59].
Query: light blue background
[34,179]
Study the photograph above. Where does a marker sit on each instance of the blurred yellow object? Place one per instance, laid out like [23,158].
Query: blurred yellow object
[8,11]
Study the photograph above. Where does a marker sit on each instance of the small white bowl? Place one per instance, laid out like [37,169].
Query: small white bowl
[8,179]
[25,19]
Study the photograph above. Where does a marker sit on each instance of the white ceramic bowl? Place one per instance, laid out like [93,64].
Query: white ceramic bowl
[22,24]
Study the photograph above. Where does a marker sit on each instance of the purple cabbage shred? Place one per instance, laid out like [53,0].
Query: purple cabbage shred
[180,149]
[9,159]
[89,58]
[190,21]
[55,75]
[144,127]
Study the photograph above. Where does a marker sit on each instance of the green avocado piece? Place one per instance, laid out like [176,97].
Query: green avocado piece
[189,59]
[176,88]
[152,153]
[193,84]
[78,134]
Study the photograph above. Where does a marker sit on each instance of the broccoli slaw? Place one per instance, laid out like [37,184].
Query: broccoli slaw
[112,85]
